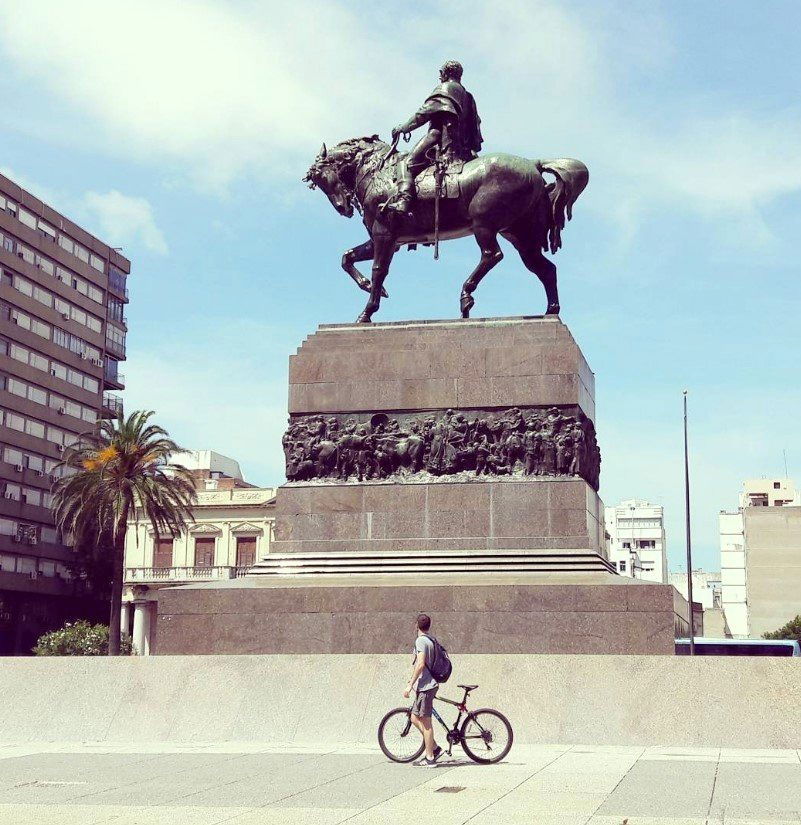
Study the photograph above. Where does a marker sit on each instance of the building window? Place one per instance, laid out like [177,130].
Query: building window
[777,485]
[115,309]
[204,552]
[245,551]
[116,279]
[627,545]
[621,566]
[162,553]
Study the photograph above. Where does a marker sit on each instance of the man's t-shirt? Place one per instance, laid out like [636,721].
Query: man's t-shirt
[424,645]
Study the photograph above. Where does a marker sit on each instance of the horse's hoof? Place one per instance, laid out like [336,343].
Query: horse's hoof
[467,303]
[553,309]
[364,318]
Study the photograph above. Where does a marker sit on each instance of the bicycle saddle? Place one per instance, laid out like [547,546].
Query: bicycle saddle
[467,687]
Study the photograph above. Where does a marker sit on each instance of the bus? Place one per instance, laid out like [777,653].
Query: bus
[739,647]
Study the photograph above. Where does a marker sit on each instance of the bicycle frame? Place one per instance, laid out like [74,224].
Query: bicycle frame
[452,732]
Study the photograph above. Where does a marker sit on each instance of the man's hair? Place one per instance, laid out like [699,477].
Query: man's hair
[452,69]
[423,622]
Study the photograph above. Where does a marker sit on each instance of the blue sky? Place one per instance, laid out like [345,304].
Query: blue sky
[180,130]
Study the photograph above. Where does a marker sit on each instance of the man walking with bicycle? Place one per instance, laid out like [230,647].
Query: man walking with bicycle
[425,686]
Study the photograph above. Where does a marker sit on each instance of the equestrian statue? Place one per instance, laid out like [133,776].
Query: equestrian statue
[443,189]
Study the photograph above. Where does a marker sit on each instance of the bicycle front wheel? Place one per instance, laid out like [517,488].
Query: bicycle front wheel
[486,736]
[398,738]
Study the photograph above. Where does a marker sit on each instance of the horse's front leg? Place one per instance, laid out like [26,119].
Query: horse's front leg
[362,252]
[383,250]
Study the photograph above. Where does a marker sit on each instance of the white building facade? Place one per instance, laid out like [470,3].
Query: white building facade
[231,530]
[736,556]
[637,547]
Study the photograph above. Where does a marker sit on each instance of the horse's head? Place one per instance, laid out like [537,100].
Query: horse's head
[325,174]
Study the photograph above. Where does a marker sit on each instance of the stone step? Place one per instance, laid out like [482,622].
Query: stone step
[278,564]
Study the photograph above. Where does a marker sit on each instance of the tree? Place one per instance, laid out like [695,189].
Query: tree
[78,639]
[792,630]
[110,473]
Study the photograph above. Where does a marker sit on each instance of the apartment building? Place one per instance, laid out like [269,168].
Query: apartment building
[760,557]
[62,337]
[636,547]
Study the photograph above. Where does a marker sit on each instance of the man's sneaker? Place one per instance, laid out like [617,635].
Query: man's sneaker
[426,763]
[437,753]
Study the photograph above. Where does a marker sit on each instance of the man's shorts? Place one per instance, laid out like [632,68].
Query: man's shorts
[424,701]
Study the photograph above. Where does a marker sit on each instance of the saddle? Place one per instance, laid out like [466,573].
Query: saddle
[425,183]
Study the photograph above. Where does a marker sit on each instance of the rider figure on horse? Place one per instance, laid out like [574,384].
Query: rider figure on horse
[453,125]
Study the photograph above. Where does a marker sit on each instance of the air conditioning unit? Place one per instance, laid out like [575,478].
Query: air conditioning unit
[52,372]
[16,539]
[19,468]
[34,574]
[15,319]
[65,316]
[61,410]
[33,540]
[60,278]
[10,495]
[60,448]
[83,356]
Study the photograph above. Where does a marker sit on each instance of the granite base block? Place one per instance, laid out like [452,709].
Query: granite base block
[598,614]
[501,514]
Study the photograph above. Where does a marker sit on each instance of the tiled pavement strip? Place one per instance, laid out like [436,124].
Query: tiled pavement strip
[245,784]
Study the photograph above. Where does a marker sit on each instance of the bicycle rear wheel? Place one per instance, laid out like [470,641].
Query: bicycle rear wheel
[486,736]
[398,738]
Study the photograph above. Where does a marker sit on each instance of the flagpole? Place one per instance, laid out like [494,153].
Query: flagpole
[689,538]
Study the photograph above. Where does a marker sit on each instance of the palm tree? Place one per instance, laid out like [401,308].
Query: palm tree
[122,466]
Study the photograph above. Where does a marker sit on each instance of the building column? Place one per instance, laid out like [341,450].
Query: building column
[125,618]
[141,628]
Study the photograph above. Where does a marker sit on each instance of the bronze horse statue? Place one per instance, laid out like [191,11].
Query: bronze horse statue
[491,195]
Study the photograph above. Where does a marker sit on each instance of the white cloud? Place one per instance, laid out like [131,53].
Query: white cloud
[113,216]
[124,219]
[220,90]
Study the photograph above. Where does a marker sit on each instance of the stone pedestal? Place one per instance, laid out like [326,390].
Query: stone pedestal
[484,370]
[504,548]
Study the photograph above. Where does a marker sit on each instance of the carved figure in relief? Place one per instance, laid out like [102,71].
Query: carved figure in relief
[497,442]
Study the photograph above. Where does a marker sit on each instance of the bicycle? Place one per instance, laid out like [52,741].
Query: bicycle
[487,728]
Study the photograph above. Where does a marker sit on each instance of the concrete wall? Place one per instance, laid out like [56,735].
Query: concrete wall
[638,700]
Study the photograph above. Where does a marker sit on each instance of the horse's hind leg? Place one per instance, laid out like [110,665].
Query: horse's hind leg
[491,255]
[535,261]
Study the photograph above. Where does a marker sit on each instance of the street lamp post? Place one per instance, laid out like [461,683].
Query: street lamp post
[689,539]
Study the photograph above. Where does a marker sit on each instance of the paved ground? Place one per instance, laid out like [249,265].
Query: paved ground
[247,784]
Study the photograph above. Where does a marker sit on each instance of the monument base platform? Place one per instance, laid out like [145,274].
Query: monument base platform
[374,613]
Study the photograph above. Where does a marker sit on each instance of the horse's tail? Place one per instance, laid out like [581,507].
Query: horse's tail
[571,178]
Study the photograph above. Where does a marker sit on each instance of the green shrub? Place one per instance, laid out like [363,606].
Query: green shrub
[79,639]
[792,630]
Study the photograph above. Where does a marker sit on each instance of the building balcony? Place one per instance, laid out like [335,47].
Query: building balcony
[112,405]
[167,575]
[116,348]
[114,382]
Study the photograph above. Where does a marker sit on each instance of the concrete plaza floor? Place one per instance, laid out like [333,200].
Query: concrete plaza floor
[53,784]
